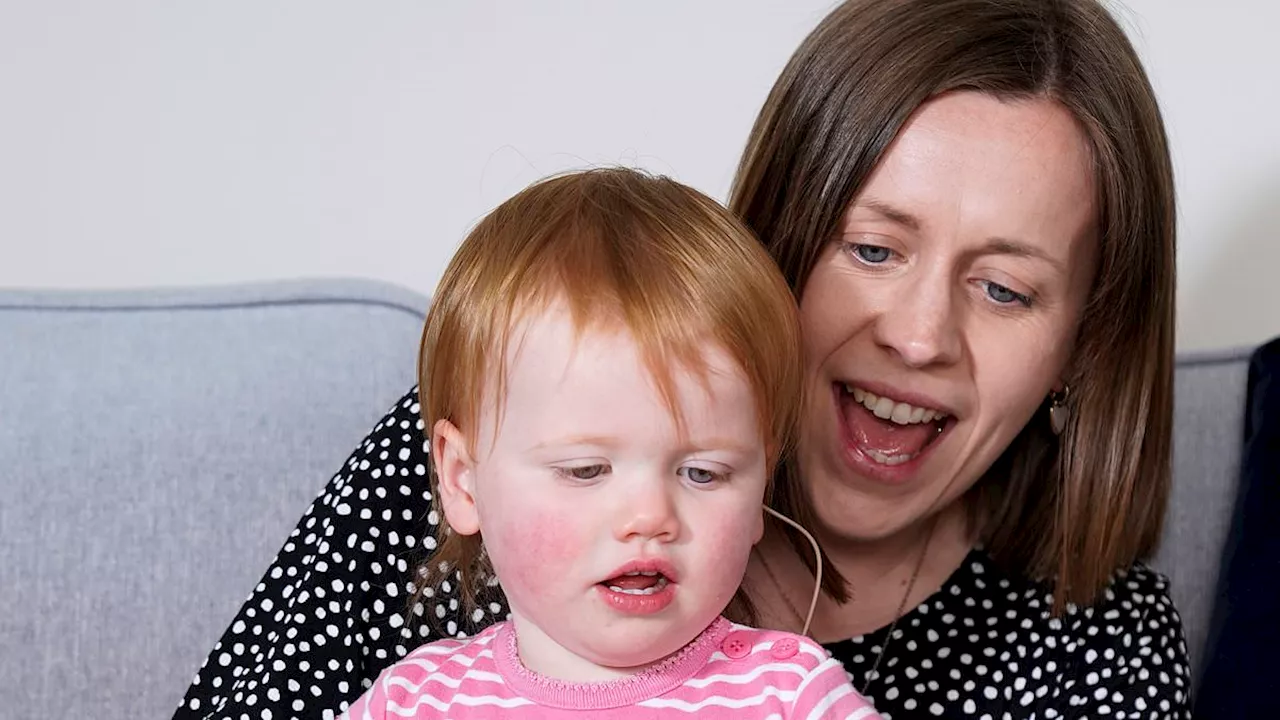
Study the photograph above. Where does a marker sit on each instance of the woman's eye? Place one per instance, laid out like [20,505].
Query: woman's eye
[701,476]
[583,472]
[871,254]
[1004,296]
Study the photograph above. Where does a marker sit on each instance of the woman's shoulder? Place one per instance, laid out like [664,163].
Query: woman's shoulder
[1134,619]
[1134,614]
[992,637]
[1135,604]
[1137,592]
[1127,648]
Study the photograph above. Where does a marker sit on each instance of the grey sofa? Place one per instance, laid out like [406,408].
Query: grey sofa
[156,447]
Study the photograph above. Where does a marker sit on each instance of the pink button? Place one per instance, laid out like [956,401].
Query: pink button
[784,648]
[737,645]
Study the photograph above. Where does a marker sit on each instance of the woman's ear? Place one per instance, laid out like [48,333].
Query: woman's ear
[455,477]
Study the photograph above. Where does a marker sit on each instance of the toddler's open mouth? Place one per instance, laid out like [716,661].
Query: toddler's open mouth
[638,583]
[640,587]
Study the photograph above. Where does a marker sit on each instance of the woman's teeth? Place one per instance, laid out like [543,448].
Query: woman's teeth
[896,412]
[887,459]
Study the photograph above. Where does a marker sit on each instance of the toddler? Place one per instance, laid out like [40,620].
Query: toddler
[610,371]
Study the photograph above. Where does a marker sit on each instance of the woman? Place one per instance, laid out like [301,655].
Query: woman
[973,203]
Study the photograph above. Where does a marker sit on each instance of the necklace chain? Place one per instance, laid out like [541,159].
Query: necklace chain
[872,674]
[897,615]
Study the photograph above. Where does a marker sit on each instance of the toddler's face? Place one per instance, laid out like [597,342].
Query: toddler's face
[615,539]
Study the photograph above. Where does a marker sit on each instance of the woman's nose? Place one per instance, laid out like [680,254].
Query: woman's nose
[921,324]
[648,512]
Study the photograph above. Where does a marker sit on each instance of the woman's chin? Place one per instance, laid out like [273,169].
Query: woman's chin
[852,507]
[847,515]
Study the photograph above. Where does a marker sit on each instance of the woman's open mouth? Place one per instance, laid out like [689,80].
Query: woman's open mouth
[885,437]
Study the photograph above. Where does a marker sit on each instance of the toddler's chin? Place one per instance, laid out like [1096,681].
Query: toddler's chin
[635,652]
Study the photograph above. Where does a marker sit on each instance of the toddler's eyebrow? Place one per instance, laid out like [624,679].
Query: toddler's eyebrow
[723,444]
[609,442]
[604,441]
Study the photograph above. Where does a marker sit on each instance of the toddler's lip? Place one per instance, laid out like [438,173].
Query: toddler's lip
[646,566]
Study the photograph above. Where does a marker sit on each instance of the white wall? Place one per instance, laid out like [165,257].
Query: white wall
[149,142]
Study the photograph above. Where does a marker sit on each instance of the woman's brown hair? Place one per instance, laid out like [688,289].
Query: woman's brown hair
[620,250]
[1069,509]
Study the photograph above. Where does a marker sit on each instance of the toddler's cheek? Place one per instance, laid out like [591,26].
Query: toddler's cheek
[534,553]
[727,551]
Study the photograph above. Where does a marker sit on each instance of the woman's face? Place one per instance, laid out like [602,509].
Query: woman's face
[944,312]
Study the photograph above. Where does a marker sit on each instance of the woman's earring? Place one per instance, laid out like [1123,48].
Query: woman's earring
[1059,413]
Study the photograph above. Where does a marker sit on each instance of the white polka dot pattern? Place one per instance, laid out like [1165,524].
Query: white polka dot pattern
[328,617]
[986,646]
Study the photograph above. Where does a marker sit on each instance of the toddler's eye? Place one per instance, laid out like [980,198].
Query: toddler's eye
[583,472]
[700,476]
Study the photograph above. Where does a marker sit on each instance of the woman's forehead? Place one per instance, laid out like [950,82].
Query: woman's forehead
[969,163]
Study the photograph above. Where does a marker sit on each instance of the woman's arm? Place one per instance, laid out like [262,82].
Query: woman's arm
[328,615]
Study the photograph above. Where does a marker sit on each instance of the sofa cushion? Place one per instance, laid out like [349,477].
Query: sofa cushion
[1208,411]
[157,446]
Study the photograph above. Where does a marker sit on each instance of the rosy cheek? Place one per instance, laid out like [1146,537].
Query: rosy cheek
[533,550]
[729,548]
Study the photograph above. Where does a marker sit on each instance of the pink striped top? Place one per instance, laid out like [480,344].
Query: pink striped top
[729,671]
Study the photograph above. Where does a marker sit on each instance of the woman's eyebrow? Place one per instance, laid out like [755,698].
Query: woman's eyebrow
[993,246]
[1019,248]
[890,213]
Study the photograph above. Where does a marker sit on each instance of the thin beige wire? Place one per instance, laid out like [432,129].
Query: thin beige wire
[817,555]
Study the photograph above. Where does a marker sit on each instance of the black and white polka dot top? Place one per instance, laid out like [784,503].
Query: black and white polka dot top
[328,616]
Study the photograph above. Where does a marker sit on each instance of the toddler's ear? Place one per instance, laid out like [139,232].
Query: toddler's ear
[455,475]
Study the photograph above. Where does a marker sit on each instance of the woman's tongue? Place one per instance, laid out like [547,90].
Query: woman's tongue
[885,437]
